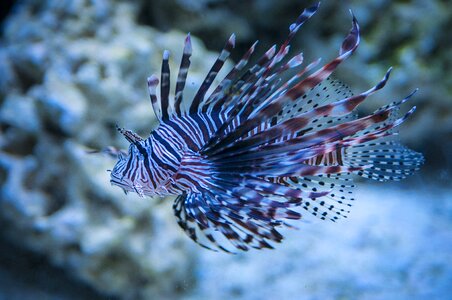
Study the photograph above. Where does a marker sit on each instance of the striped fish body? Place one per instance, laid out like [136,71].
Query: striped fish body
[168,162]
[258,151]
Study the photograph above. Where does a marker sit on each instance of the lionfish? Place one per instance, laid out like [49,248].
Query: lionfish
[245,159]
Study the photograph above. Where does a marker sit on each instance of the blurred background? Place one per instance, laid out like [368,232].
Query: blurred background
[70,70]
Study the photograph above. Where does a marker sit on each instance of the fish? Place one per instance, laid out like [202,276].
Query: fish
[254,153]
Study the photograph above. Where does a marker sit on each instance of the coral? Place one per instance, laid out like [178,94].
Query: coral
[70,71]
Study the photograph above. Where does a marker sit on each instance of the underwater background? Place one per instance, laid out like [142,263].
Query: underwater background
[71,70]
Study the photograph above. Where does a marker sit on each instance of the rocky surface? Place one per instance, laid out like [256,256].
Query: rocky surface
[70,70]
[26,275]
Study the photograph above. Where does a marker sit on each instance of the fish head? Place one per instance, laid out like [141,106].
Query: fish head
[131,172]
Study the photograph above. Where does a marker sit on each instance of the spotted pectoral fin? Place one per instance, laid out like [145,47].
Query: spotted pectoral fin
[228,219]
[204,224]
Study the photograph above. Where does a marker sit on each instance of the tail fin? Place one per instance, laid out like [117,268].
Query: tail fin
[389,159]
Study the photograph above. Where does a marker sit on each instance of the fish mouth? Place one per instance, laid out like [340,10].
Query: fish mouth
[124,186]
[119,182]
[127,187]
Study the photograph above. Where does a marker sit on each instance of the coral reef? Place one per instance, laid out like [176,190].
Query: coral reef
[68,76]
